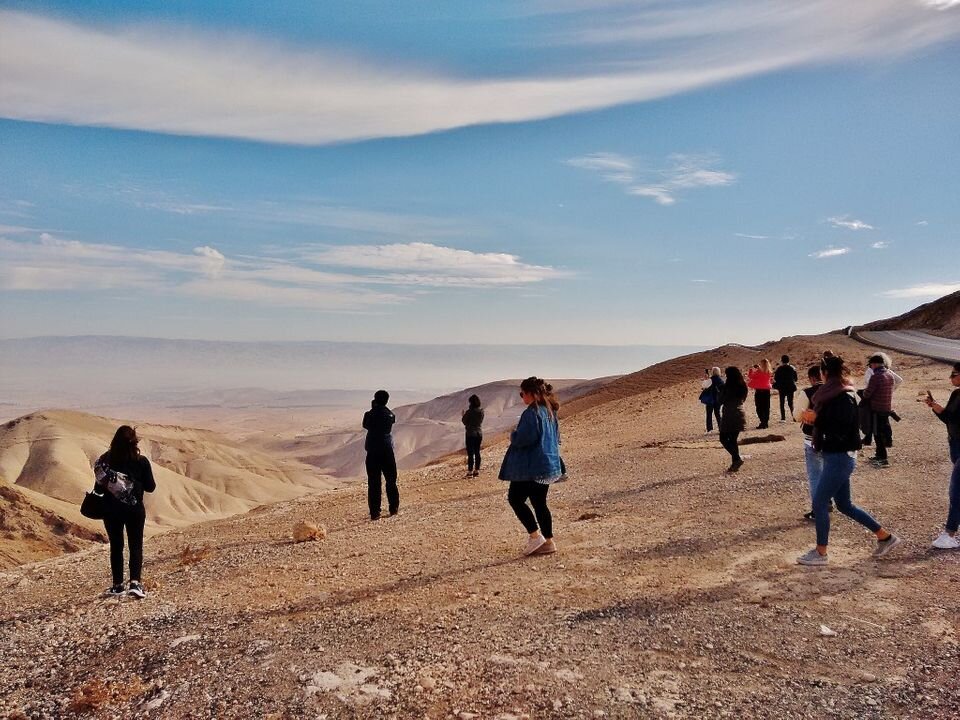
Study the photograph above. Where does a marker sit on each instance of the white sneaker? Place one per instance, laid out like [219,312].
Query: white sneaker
[945,541]
[534,544]
[812,558]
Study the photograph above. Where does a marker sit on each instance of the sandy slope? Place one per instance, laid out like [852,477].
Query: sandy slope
[674,593]
[48,455]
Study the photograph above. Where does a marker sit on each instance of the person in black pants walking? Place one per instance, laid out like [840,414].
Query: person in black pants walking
[123,475]
[378,422]
[473,423]
[732,419]
[785,383]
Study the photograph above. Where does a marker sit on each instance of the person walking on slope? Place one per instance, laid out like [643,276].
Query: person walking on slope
[123,475]
[710,396]
[785,382]
[378,422]
[813,460]
[733,394]
[836,435]
[879,395]
[760,380]
[950,415]
[473,423]
[532,463]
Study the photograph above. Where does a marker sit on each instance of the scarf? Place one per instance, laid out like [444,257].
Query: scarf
[831,389]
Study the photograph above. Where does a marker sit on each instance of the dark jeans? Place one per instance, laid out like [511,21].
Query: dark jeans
[953,515]
[384,463]
[835,483]
[473,451]
[786,396]
[761,399]
[114,523]
[517,496]
[729,442]
[882,434]
[712,410]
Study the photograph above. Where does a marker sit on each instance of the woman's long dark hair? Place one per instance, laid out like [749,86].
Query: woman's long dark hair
[123,447]
[474,401]
[735,384]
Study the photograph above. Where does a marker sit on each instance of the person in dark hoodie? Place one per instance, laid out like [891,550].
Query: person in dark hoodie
[950,415]
[836,435]
[123,475]
[378,422]
[473,423]
[785,383]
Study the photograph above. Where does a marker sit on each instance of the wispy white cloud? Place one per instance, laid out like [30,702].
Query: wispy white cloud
[204,83]
[942,4]
[922,223]
[849,223]
[880,245]
[929,290]
[682,172]
[752,237]
[830,252]
[363,276]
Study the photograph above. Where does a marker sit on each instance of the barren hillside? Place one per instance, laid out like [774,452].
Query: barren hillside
[940,317]
[674,593]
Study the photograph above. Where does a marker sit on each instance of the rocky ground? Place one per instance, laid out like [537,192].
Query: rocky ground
[674,593]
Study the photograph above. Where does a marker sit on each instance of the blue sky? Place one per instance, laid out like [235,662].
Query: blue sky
[579,171]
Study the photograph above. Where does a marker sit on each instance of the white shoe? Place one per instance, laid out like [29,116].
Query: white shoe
[945,541]
[534,544]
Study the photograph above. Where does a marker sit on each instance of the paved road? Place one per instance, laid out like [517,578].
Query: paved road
[913,342]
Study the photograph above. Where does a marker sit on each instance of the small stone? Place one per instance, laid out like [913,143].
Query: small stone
[305,530]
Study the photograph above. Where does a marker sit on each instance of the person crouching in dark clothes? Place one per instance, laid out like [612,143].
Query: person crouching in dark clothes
[123,475]
[378,422]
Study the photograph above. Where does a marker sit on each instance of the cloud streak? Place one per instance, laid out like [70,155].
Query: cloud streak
[682,173]
[928,290]
[829,252]
[848,223]
[58,71]
[352,277]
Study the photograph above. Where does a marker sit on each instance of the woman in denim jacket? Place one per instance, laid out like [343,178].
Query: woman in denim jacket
[532,463]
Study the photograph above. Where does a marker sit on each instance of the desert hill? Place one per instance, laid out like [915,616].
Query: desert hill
[939,317]
[674,593]
[424,431]
[200,475]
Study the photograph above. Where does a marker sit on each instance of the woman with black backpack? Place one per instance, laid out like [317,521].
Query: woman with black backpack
[123,475]
[836,435]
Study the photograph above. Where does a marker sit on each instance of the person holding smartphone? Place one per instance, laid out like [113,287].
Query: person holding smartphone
[950,415]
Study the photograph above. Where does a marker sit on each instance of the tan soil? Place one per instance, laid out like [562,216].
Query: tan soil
[674,592]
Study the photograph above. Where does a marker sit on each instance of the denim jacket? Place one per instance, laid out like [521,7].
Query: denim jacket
[534,452]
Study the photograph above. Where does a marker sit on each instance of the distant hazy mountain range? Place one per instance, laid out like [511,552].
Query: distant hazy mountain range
[101,370]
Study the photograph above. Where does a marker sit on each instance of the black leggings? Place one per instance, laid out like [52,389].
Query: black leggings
[114,523]
[786,397]
[517,496]
[382,462]
[761,399]
[473,451]
[711,411]
[729,442]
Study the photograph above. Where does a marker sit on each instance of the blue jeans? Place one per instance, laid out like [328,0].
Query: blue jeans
[814,463]
[835,483]
[953,515]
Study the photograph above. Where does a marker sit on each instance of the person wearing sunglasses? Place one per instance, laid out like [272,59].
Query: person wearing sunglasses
[123,475]
[950,415]
[532,464]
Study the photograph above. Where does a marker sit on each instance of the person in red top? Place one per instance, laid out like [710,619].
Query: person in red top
[760,379]
[879,394]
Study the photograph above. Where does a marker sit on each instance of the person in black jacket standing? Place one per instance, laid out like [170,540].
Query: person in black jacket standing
[785,383]
[732,395]
[836,435]
[123,475]
[473,426]
[950,415]
[378,422]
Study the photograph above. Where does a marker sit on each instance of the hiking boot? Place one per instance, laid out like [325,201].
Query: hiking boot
[880,463]
[136,590]
[734,466]
[945,541]
[534,544]
[812,558]
[374,518]
[476,473]
[116,590]
[811,516]
[885,546]
[548,548]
